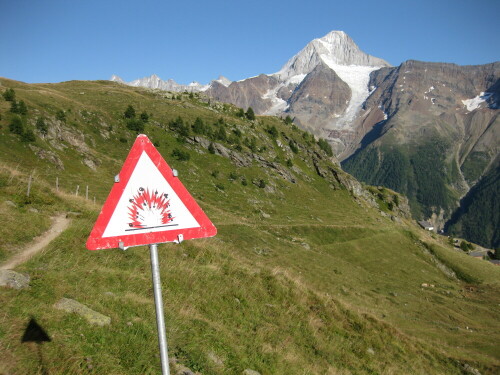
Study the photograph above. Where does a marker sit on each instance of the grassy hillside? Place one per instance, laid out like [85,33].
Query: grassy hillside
[309,273]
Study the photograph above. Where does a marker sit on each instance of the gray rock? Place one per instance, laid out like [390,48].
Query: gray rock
[93,317]
[250,372]
[395,219]
[10,203]
[14,279]
[215,359]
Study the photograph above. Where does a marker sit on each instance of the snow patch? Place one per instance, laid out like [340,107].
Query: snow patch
[357,78]
[475,103]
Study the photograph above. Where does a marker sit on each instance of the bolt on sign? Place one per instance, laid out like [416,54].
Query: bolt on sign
[148,205]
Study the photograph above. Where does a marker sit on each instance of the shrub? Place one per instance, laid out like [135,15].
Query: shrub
[262,184]
[41,126]
[16,126]
[273,132]
[129,112]
[144,117]
[61,116]
[293,146]
[325,146]
[22,109]
[135,125]
[250,114]
[240,113]
[178,126]
[28,136]
[289,163]
[199,126]
[9,95]
[181,155]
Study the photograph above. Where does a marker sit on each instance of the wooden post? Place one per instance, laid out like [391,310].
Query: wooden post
[57,184]
[77,188]
[29,185]
[87,192]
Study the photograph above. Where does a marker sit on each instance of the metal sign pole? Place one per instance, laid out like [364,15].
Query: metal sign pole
[160,322]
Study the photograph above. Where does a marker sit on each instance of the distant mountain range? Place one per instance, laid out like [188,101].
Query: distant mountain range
[428,130]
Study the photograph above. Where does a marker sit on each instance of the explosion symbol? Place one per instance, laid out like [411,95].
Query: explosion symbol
[149,209]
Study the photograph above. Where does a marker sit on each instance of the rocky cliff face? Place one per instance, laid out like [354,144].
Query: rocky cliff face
[440,132]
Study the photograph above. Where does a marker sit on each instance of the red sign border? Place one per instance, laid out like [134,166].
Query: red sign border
[142,144]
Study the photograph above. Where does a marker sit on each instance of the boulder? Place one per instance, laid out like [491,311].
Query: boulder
[93,317]
[14,279]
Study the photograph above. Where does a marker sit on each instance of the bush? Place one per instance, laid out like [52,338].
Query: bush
[28,136]
[250,114]
[41,126]
[144,117]
[13,107]
[129,112]
[135,125]
[181,155]
[273,132]
[178,126]
[61,116]
[22,109]
[325,146]
[289,163]
[199,126]
[16,126]
[219,186]
[262,184]
[288,120]
[293,146]
[240,113]
[9,95]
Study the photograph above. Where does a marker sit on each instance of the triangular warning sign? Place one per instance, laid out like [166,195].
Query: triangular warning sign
[147,205]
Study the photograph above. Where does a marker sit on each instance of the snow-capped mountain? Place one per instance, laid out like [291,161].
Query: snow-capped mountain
[155,82]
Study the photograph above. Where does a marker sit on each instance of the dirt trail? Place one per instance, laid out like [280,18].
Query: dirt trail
[60,223]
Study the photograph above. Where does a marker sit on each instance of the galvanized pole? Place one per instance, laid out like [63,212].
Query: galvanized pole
[160,322]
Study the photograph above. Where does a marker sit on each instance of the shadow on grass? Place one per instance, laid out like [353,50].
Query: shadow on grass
[35,333]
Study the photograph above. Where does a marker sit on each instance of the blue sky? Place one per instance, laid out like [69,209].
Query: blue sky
[60,40]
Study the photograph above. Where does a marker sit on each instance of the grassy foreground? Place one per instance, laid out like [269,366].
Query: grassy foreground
[302,278]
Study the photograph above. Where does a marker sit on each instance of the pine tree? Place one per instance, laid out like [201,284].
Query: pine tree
[9,95]
[22,109]
[16,126]
[129,112]
[144,117]
[250,114]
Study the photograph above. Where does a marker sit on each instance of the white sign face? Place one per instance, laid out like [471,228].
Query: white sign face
[148,204]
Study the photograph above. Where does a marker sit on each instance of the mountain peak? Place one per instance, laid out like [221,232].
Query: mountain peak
[335,48]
